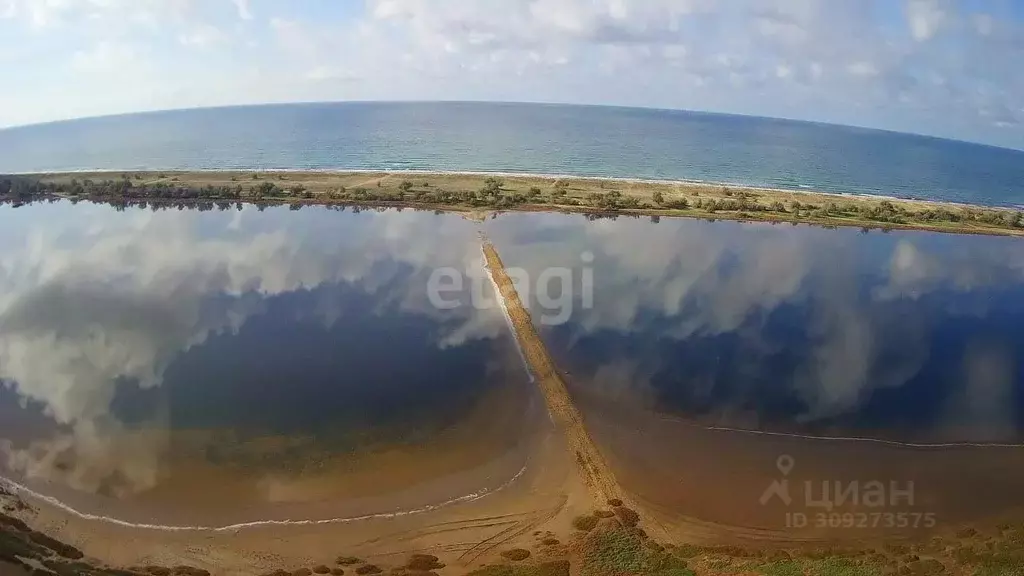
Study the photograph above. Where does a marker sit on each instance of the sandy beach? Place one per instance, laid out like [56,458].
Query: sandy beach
[480,193]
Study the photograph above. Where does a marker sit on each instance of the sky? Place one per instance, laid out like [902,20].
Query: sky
[937,67]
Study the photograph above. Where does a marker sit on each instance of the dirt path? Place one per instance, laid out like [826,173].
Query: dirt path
[590,463]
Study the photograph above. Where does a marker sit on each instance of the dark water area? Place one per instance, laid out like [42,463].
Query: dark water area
[133,342]
[288,372]
[907,336]
[535,138]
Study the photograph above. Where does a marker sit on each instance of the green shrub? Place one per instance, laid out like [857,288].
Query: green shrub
[584,523]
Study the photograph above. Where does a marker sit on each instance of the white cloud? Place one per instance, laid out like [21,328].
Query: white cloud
[106,57]
[821,60]
[325,73]
[862,69]
[984,24]
[244,12]
[925,18]
[203,36]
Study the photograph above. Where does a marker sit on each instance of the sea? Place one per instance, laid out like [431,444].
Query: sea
[527,138]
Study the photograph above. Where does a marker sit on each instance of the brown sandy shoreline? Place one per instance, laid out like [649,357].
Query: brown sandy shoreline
[474,193]
[706,483]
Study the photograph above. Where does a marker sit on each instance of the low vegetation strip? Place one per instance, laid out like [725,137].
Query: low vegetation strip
[592,466]
[481,192]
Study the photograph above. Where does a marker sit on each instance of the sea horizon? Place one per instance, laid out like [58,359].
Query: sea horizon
[541,139]
[693,111]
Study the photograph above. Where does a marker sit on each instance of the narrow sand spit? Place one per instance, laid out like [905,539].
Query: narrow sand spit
[592,466]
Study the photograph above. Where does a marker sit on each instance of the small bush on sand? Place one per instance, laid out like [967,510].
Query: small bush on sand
[423,562]
[585,523]
[189,571]
[627,516]
[368,569]
[516,554]
[347,560]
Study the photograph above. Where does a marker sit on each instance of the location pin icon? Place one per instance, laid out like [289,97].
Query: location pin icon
[785,464]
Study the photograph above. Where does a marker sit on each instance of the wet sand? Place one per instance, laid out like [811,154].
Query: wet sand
[707,485]
[546,495]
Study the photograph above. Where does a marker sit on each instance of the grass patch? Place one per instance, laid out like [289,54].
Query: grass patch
[841,567]
[686,551]
[613,551]
[557,568]
[781,568]
[1000,564]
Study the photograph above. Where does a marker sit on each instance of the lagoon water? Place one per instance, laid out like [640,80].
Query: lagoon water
[714,351]
[230,365]
[907,336]
[560,139]
[193,365]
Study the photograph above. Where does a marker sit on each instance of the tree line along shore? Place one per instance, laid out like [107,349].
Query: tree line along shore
[483,192]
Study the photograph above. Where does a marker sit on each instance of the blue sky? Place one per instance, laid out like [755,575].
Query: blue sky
[939,67]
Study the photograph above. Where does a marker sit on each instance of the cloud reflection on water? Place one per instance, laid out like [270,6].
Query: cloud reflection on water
[118,297]
[730,321]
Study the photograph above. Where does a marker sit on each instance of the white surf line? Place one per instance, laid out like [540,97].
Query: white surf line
[20,489]
[849,438]
[508,317]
